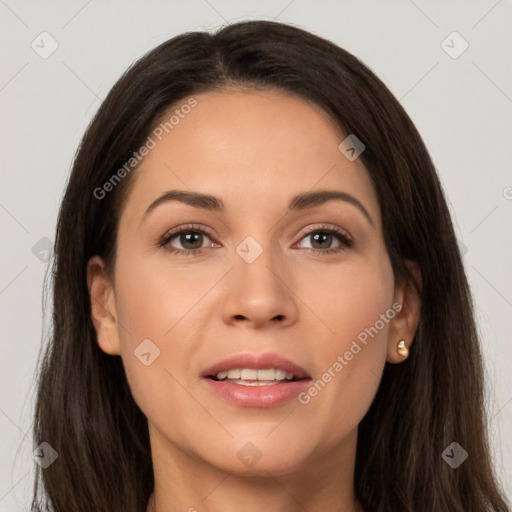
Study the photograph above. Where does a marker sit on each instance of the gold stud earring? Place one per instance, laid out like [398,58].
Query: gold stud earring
[402,349]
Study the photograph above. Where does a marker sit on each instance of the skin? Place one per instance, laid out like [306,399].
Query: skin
[254,150]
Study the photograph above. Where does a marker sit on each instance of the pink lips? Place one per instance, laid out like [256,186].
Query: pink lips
[257,396]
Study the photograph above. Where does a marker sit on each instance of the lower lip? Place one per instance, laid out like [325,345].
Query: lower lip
[257,396]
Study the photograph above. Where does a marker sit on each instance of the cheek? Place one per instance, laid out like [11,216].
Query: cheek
[152,297]
[160,310]
[149,303]
[352,300]
[358,309]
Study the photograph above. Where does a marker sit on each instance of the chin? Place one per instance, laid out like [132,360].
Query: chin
[261,456]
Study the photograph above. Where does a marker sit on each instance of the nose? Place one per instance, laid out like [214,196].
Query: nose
[260,293]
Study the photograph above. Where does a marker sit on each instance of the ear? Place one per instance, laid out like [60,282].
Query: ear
[103,306]
[403,326]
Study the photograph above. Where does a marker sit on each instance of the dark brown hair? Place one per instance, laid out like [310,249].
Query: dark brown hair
[85,409]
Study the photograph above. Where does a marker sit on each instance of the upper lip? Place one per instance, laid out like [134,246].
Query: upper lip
[256,361]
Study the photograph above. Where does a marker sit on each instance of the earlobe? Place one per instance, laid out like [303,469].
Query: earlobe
[403,327]
[103,309]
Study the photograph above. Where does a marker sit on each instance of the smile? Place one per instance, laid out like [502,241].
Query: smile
[254,377]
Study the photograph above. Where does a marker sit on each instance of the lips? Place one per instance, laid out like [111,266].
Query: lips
[257,394]
[256,362]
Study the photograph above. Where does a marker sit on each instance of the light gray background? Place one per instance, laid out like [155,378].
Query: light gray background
[461,106]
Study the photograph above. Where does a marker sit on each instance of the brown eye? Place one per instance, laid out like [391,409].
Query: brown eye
[324,239]
[190,238]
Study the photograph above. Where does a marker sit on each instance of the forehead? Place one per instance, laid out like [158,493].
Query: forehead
[250,148]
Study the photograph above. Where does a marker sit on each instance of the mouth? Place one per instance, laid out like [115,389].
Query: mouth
[255,376]
[256,380]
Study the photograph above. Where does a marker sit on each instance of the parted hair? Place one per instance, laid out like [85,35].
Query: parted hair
[84,408]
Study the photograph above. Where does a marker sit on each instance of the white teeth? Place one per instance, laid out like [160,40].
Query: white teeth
[266,374]
[255,382]
[247,374]
[281,374]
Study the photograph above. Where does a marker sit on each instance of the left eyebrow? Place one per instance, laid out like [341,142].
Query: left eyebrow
[299,202]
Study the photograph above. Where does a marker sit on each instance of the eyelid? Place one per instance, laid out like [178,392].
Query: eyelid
[325,226]
[186,227]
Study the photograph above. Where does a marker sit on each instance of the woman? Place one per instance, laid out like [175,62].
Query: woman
[203,357]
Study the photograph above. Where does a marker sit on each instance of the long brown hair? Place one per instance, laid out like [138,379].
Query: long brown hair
[84,407]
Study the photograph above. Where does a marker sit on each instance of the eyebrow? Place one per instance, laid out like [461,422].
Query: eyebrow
[298,203]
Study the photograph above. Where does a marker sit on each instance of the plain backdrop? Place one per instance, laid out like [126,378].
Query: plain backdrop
[456,87]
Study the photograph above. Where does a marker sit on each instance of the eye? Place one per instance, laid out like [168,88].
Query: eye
[191,238]
[323,236]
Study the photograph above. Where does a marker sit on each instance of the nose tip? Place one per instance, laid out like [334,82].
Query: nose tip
[258,295]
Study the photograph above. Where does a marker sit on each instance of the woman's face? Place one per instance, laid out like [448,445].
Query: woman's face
[251,284]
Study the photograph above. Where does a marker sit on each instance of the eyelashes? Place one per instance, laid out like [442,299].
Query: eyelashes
[344,239]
